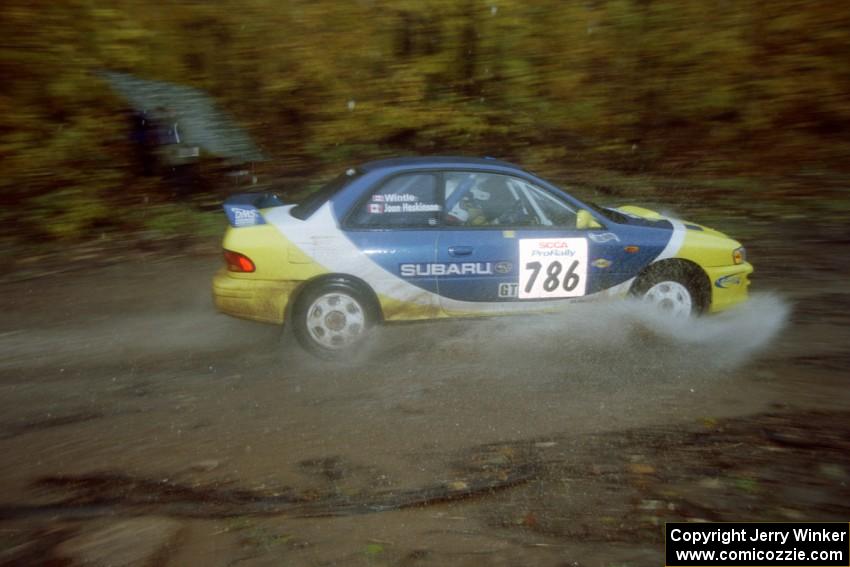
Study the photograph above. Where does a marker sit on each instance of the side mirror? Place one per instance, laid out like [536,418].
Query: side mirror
[585,220]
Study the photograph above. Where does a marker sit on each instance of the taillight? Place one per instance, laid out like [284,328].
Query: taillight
[237,262]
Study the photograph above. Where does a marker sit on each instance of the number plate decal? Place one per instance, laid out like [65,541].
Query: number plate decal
[552,267]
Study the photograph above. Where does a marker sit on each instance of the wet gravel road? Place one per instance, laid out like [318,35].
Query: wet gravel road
[128,370]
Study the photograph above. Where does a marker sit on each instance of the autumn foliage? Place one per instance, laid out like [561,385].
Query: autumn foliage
[673,85]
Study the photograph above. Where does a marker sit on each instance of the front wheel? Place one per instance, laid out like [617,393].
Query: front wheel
[332,319]
[677,293]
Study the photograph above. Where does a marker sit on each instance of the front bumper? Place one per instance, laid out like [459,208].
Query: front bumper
[729,285]
[258,300]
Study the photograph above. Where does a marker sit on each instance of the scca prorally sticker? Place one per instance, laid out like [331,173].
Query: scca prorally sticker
[552,268]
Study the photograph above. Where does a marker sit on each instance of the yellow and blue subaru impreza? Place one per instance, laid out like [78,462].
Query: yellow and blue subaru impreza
[426,238]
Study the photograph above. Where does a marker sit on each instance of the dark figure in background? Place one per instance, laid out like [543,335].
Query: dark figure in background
[143,134]
[178,159]
[160,149]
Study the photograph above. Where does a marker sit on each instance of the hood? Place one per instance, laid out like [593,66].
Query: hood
[655,218]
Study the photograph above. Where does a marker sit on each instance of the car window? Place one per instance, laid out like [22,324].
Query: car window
[404,201]
[476,199]
[312,203]
[551,210]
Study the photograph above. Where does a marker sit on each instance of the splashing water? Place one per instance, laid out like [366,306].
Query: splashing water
[728,339]
[629,340]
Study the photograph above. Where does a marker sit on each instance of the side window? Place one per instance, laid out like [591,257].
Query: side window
[488,199]
[551,210]
[485,199]
[406,201]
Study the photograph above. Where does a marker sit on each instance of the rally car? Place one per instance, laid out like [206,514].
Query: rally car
[426,238]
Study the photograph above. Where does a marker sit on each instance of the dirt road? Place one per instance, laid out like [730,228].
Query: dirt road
[138,423]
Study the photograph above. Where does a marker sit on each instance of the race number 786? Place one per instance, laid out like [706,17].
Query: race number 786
[569,280]
[552,267]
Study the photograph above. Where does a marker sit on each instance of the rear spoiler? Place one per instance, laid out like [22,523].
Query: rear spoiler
[243,209]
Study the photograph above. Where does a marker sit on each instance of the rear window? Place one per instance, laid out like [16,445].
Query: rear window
[315,200]
[405,201]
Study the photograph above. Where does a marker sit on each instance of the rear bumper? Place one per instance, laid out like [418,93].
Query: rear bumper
[258,300]
[729,285]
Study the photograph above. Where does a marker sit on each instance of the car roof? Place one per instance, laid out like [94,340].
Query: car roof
[436,162]
[371,171]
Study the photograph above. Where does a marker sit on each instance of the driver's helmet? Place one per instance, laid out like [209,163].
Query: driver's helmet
[478,194]
[472,206]
[469,210]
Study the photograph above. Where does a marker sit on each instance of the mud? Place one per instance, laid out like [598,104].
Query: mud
[566,439]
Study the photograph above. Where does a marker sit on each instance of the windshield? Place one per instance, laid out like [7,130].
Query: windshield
[608,213]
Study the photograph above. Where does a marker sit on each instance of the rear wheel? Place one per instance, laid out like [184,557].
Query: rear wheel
[332,319]
[678,290]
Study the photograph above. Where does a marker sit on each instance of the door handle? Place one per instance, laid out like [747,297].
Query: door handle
[460,250]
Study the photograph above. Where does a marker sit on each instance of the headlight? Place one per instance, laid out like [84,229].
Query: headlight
[739,255]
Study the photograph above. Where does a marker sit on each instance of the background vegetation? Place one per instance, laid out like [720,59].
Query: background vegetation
[668,88]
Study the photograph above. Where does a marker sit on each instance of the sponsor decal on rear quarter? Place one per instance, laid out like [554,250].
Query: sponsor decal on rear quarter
[243,216]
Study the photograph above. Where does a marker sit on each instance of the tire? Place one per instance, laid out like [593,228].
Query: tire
[676,289]
[332,319]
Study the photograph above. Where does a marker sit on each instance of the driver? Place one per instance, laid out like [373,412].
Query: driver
[469,210]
